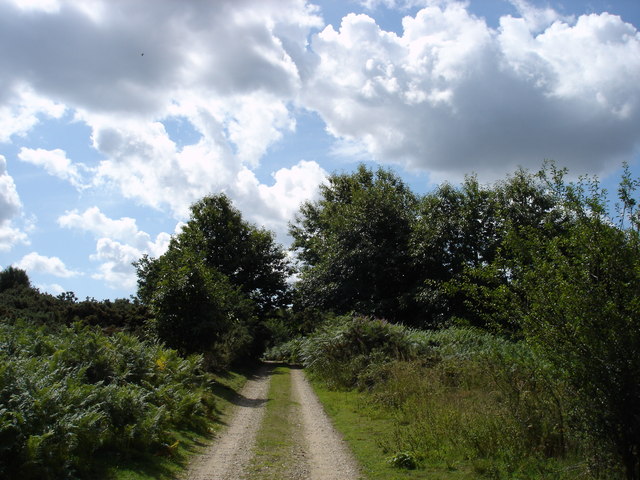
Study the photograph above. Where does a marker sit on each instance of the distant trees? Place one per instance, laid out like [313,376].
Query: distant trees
[20,300]
[220,278]
[370,245]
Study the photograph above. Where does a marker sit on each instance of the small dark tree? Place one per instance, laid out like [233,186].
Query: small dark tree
[198,310]
[219,278]
[247,255]
[12,277]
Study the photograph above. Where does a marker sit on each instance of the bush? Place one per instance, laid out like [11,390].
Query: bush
[347,352]
[290,352]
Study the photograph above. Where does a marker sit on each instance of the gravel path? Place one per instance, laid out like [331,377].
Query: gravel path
[319,453]
[329,457]
[231,452]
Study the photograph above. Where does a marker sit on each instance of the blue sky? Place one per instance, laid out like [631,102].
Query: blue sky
[116,115]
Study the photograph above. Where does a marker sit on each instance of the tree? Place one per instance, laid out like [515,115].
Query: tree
[219,277]
[496,234]
[198,310]
[456,229]
[583,312]
[246,255]
[12,277]
[354,246]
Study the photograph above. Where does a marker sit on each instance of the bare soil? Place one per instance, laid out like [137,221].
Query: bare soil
[320,452]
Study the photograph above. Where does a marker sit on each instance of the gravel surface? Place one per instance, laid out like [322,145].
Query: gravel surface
[230,453]
[329,456]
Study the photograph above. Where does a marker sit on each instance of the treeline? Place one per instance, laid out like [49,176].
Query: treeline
[370,245]
[20,300]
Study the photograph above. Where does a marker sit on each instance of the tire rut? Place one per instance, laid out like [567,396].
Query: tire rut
[229,455]
[329,456]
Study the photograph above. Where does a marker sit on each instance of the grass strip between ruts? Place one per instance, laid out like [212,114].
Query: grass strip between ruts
[278,437]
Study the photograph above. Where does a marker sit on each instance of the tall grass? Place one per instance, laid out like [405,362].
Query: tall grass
[66,394]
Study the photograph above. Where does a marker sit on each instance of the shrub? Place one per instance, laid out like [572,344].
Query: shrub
[290,352]
[454,394]
[348,352]
[477,397]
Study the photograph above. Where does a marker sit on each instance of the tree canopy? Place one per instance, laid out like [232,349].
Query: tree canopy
[220,277]
[354,245]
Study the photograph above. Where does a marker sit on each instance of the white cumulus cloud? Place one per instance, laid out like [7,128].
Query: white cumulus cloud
[231,71]
[34,262]
[20,108]
[275,205]
[55,162]
[451,95]
[10,208]
[119,243]
[116,259]
[52,288]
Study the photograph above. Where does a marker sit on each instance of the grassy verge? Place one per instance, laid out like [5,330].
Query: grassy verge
[278,437]
[437,444]
[364,426]
[170,461]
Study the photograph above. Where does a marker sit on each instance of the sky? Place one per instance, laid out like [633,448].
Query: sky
[117,115]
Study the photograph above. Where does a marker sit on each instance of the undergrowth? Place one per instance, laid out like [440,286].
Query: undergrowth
[69,394]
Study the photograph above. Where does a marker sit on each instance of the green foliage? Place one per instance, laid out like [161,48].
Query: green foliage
[218,279]
[289,351]
[404,460]
[67,394]
[21,301]
[349,352]
[465,399]
[198,310]
[463,243]
[371,246]
[248,256]
[585,315]
[354,245]
[12,277]
[486,399]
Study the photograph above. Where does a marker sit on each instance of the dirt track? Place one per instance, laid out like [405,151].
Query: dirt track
[323,454]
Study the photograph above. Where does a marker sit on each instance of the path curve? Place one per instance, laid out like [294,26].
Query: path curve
[329,456]
[228,456]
